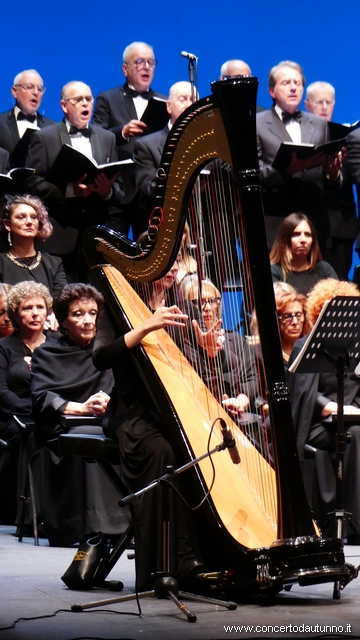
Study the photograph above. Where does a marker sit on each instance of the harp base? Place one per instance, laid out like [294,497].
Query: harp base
[305,561]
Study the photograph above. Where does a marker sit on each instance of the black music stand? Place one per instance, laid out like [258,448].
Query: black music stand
[334,343]
[166,586]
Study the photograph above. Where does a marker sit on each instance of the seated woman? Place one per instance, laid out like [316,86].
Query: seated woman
[293,323]
[314,399]
[233,378]
[28,305]
[295,255]
[76,497]
[25,219]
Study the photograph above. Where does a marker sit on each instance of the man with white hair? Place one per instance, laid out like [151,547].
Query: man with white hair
[320,99]
[75,205]
[234,68]
[28,91]
[120,109]
[340,202]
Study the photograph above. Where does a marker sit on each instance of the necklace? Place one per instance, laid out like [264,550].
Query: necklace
[25,266]
[43,338]
[28,358]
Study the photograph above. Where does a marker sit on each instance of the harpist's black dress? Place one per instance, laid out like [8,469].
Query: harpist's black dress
[145,454]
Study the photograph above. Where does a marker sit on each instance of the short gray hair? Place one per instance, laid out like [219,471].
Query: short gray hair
[134,45]
[321,85]
[17,79]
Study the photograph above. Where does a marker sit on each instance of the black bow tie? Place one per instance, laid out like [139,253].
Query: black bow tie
[26,116]
[143,94]
[84,132]
[286,117]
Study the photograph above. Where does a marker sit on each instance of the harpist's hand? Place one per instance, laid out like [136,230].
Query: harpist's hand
[165,316]
[237,405]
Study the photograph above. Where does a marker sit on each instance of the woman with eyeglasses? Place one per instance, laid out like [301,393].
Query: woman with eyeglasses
[293,324]
[295,256]
[314,401]
[233,375]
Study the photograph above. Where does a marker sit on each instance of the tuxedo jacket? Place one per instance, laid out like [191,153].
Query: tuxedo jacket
[9,136]
[114,108]
[75,212]
[147,158]
[284,194]
[4,161]
[353,158]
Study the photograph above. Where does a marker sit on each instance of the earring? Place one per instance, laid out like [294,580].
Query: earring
[9,238]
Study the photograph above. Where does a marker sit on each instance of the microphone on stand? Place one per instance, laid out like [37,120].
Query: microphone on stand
[229,442]
[190,56]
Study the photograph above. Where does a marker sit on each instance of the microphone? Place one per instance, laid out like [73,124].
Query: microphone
[190,56]
[229,442]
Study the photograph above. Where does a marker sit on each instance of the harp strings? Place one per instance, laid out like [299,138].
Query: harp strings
[226,265]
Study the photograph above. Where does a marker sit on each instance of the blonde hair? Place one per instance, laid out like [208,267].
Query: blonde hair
[189,288]
[23,290]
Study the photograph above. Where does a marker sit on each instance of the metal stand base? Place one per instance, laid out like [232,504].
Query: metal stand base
[165,587]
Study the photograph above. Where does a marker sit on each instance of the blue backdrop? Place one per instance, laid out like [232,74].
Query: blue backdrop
[84,41]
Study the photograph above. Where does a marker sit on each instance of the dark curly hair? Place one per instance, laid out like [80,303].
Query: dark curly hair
[71,293]
[45,226]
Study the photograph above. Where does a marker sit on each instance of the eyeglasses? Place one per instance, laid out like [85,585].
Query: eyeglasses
[141,63]
[287,318]
[31,87]
[78,99]
[213,302]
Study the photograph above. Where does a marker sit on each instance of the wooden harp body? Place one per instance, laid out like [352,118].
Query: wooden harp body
[255,526]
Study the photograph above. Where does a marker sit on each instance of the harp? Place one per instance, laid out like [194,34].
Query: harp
[256,530]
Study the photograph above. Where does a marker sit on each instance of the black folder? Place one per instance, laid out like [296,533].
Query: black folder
[70,164]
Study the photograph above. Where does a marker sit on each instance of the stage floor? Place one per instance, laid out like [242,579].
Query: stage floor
[30,587]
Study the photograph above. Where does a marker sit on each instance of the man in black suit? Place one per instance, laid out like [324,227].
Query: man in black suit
[300,186]
[4,169]
[28,90]
[4,161]
[120,109]
[76,204]
[340,202]
[148,151]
